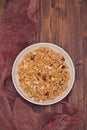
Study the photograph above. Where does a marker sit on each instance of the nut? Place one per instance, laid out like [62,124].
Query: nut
[36,82]
[52,78]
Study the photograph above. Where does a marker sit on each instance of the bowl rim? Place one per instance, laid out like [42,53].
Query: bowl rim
[51,101]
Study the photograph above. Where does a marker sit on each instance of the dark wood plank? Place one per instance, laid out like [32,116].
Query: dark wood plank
[45,33]
[85,72]
[2,4]
[85,60]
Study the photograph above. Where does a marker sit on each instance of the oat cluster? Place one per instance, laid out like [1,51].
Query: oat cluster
[43,74]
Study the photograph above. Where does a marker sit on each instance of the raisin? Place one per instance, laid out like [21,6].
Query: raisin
[51,64]
[63,58]
[32,57]
[39,74]
[63,66]
[44,78]
[47,94]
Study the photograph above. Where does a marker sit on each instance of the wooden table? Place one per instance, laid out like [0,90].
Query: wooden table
[64,22]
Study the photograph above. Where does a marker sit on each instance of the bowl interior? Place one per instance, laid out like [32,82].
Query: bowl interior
[31,48]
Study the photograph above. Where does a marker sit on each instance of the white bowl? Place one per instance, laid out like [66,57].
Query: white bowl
[31,48]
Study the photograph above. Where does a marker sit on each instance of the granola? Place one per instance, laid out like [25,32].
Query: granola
[43,74]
